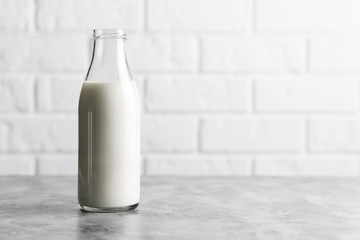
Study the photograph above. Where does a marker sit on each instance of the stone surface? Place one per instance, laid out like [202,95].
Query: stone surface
[187,208]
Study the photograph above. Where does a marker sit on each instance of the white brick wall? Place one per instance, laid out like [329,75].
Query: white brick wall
[16,94]
[341,134]
[198,165]
[169,133]
[198,93]
[59,164]
[199,15]
[17,15]
[252,134]
[43,53]
[53,15]
[58,94]
[337,54]
[17,165]
[253,54]
[307,166]
[163,53]
[40,134]
[310,16]
[307,94]
[228,87]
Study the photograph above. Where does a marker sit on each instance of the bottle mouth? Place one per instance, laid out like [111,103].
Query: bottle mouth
[109,33]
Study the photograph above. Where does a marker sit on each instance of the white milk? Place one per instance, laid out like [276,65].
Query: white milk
[109,144]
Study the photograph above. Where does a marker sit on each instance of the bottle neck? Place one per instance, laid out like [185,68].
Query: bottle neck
[108,61]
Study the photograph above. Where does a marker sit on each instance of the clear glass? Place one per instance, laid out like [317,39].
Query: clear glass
[108,61]
[109,129]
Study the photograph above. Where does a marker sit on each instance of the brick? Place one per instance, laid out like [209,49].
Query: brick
[17,165]
[17,15]
[59,93]
[49,53]
[253,54]
[307,166]
[198,93]
[245,134]
[183,15]
[89,14]
[307,16]
[4,133]
[311,94]
[198,165]
[58,165]
[335,54]
[64,134]
[162,53]
[39,134]
[169,133]
[334,134]
[16,94]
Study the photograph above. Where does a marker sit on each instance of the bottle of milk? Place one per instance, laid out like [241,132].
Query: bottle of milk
[109,129]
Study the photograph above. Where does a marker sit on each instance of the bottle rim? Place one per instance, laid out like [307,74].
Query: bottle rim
[109,33]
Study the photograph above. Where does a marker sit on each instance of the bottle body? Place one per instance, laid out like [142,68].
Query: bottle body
[109,142]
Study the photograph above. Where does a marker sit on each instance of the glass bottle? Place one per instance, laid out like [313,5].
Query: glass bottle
[109,129]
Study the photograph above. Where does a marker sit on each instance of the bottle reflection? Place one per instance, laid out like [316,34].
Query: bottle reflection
[108,225]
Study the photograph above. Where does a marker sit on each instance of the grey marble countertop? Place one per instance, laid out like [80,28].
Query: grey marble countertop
[187,208]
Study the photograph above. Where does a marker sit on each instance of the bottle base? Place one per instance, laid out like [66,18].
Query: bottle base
[108,209]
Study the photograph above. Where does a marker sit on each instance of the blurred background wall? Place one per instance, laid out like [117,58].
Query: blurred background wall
[229,87]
